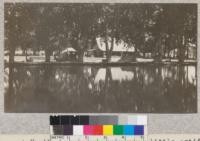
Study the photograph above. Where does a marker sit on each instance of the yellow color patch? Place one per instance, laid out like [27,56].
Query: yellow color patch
[107,129]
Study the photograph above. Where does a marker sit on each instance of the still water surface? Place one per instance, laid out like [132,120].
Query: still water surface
[126,89]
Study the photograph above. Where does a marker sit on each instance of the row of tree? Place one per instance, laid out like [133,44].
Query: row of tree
[150,28]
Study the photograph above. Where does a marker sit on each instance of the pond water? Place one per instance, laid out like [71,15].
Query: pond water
[97,89]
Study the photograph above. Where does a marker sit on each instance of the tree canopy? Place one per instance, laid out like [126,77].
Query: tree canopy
[154,28]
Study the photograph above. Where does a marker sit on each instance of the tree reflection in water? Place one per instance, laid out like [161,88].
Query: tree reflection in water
[127,89]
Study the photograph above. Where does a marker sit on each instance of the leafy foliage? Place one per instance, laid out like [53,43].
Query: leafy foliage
[150,28]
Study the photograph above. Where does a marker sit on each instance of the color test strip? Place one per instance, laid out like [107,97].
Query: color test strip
[78,130]
[103,120]
[69,120]
[98,130]
[88,130]
[58,129]
[98,120]
[128,130]
[107,130]
[68,129]
[98,125]
[138,130]
[118,130]
[132,120]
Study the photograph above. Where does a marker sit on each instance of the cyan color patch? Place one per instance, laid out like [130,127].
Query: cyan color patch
[128,129]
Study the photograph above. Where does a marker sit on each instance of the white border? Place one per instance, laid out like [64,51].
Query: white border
[39,123]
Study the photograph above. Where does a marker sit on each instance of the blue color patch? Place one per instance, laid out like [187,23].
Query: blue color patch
[128,130]
[139,130]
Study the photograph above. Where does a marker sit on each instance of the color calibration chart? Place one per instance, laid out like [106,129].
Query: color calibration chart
[98,128]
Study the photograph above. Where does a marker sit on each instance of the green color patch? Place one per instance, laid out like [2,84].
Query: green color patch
[118,130]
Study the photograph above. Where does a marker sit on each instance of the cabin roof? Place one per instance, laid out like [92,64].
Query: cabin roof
[69,49]
[118,47]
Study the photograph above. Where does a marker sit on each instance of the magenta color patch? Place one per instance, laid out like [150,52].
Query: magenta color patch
[88,130]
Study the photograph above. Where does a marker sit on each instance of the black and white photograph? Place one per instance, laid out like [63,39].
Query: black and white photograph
[100,58]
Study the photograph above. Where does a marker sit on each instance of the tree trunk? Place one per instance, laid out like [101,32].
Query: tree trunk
[187,47]
[10,96]
[34,51]
[12,55]
[181,48]
[26,55]
[111,49]
[168,49]
[108,79]
[134,59]
[47,54]
[80,56]
[24,51]
[165,50]
[160,48]
[107,50]
[143,54]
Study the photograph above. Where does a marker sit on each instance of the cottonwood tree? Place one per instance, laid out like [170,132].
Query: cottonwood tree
[80,26]
[18,27]
[154,28]
[49,28]
[108,27]
[136,23]
[179,23]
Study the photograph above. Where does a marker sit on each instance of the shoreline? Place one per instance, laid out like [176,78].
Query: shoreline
[97,63]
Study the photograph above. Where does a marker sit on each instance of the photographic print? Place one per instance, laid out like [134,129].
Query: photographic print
[100,58]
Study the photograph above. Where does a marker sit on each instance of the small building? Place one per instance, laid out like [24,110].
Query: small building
[119,48]
[68,54]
